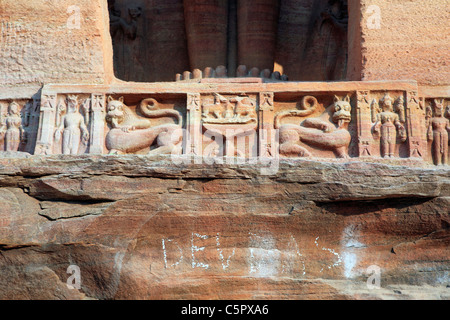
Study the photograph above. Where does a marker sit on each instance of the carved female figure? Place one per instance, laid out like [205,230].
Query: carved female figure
[71,127]
[438,128]
[14,129]
[387,123]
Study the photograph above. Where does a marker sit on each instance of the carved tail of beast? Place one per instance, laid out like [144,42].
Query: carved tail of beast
[149,108]
[308,105]
[130,133]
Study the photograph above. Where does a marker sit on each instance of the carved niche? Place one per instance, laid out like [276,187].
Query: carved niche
[382,124]
[157,40]
[71,125]
[388,118]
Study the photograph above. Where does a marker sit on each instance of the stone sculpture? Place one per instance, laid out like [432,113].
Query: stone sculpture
[336,16]
[438,129]
[388,124]
[12,128]
[130,133]
[222,72]
[72,127]
[231,33]
[247,120]
[317,132]
[229,117]
[237,110]
[118,23]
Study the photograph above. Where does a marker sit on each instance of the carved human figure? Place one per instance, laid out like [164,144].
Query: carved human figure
[12,128]
[72,128]
[438,129]
[387,123]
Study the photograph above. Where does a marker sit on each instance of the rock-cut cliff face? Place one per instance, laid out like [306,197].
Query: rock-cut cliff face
[141,228]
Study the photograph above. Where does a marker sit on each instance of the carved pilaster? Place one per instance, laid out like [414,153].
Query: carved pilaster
[415,121]
[193,125]
[364,124]
[33,125]
[97,127]
[266,127]
[47,120]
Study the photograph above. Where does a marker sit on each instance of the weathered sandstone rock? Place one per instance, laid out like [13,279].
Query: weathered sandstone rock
[356,208]
[141,227]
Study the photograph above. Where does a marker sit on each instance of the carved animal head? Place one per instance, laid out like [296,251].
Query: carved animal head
[115,111]
[72,103]
[438,106]
[342,110]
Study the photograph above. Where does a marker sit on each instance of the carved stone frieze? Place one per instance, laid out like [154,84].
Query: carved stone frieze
[252,120]
[232,121]
[325,131]
[131,133]
[388,118]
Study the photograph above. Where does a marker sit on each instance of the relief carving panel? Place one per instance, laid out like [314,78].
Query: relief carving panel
[438,129]
[131,133]
[316,129]
[249,124]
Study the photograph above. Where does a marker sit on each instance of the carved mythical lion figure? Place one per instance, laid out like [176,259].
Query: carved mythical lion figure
[130,133]
[317,132]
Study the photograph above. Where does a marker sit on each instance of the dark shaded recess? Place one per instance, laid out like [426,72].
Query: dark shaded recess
[153,40]
[350,208]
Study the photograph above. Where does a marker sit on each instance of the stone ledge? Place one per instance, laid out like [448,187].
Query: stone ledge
[338,180]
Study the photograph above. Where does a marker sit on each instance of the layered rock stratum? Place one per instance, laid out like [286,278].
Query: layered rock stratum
[142,227]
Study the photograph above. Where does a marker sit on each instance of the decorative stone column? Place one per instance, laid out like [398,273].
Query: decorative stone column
[193,125]
[266,115]
[364,124]
[45,135]
[415,119]
[97,127]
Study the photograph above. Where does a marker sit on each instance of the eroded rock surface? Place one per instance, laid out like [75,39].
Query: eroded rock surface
[142,227]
